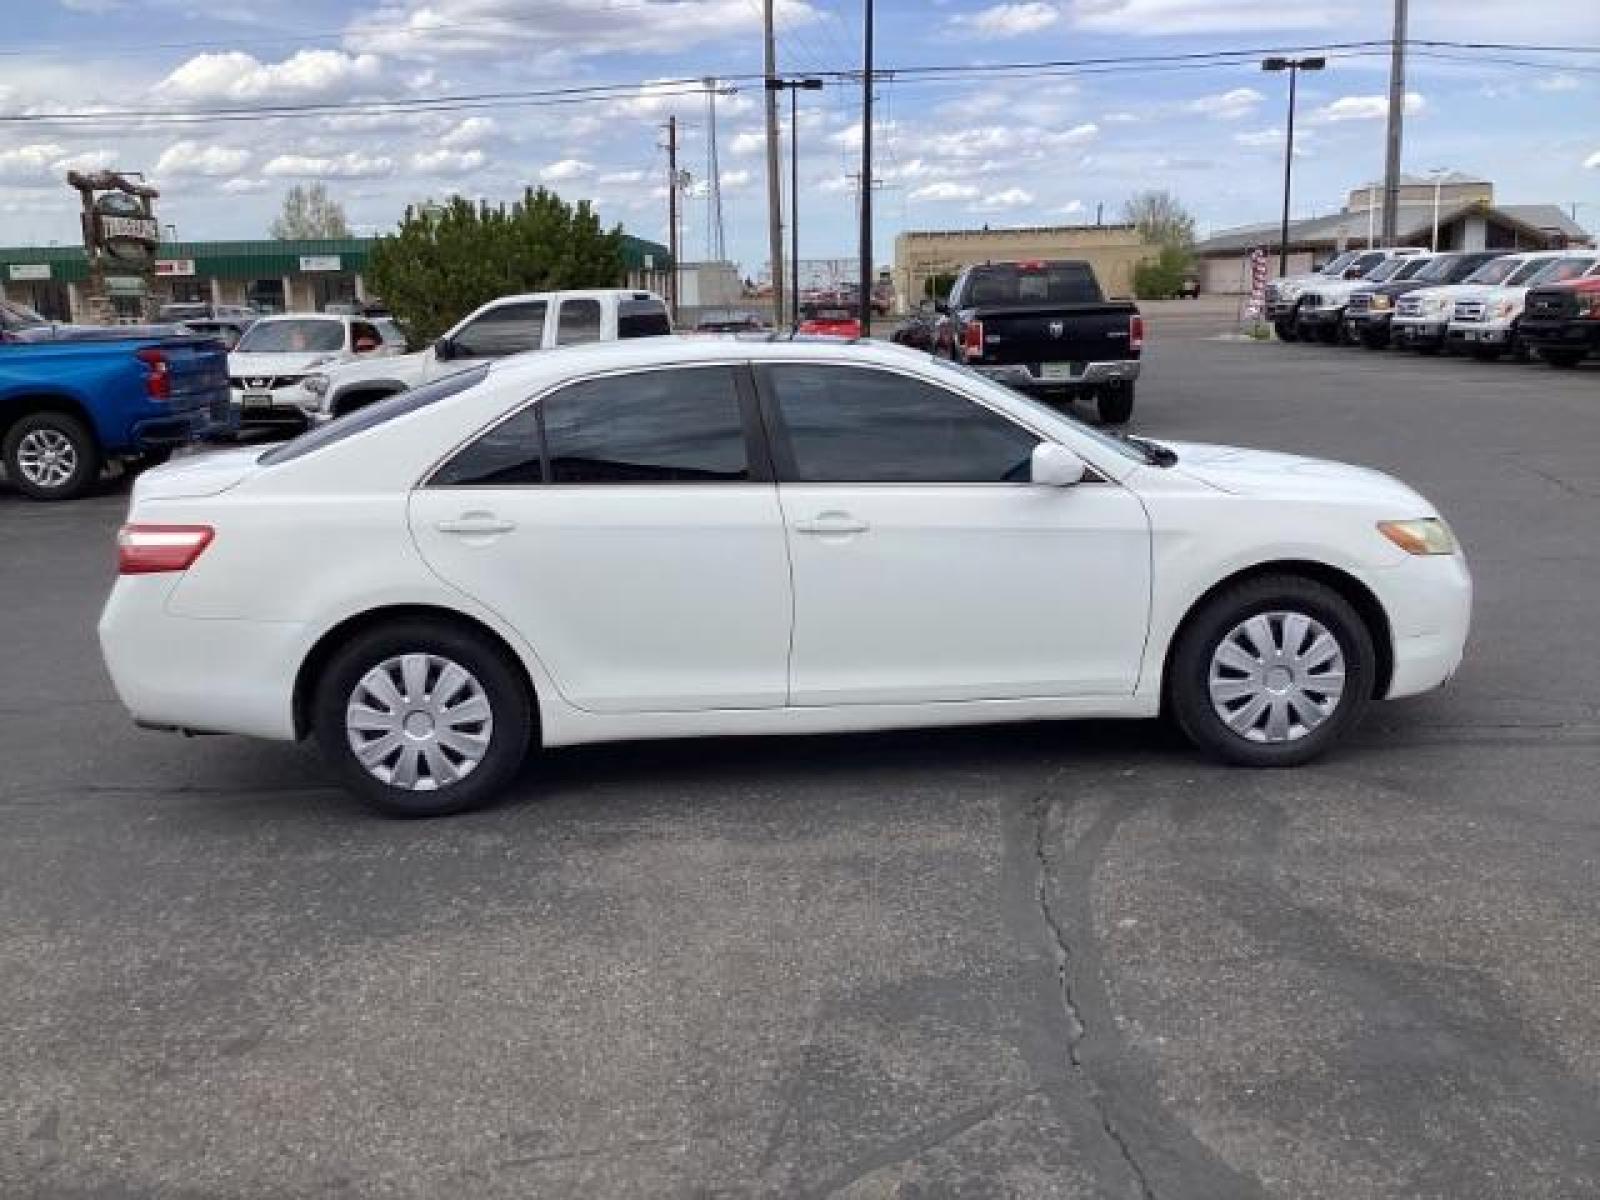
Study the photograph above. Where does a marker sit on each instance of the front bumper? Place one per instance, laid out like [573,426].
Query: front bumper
[1428,601]
[1280,310]
[1418,333]
[280,405]
[1474,333]
[1562,334]
[1320,318]
[1029,376]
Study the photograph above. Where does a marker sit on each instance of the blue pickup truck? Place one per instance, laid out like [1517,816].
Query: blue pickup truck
[74,397]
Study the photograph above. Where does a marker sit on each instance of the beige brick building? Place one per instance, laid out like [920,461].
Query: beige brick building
[1113,251]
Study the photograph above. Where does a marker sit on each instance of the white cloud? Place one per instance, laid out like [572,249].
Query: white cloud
[445,159]
[1014,197]
[185,159]
[733,180]
[621,177]
[516,29]
[1076,136]
[91,6]
[234,75]
[972,143]
[244,187]
[566,168]
[471,132]
[1070,209]
[1154,18]
[46,162]
[1121,118]
[1560,82]
[1227,106]
[747,142]
[850,136]
[1366,108]
[1592,163]
[1260,137]
[945,190]
[1007,20]
[352,165]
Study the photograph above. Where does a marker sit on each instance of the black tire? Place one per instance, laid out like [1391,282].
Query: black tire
[1328,334]
[1563,360]
[1287,329]
[1188,686]
[1487,353]
[1375,341]
[1115,404]
[510,706]
[65,434]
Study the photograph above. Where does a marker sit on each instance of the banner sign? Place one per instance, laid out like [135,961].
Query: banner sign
[319,262]
[25,272]
[1257,307]
[174,266]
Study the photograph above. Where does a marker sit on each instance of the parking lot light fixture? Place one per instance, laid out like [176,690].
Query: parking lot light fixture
[794,87]
[1294,66]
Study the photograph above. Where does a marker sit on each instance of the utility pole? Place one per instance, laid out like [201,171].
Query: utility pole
[716,243]
[1397,104]
[672,214]
[774,181]
[867,272]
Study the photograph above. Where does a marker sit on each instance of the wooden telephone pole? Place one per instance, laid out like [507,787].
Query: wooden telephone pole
[672,215]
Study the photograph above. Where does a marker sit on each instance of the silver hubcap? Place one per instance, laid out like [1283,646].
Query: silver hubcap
[47,458]
[419,722]
[1276,677]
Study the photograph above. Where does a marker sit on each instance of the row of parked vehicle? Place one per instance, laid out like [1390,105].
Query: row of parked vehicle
[1487,303]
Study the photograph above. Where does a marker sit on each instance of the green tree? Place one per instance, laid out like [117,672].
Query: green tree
[447,259]
[309,214]
[1161,279]
[1160,219]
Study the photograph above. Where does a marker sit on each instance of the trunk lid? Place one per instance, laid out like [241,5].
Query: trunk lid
[206,473]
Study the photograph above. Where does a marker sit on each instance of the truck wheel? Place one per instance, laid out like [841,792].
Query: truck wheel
[1487,353]
[51,456]
[1375,341]
[1563,359]
[1115,404]
[1328,335]
[1286,329]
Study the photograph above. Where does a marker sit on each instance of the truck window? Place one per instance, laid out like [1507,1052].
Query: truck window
[1046,283]
[579,322]
[642,318]
[504,329]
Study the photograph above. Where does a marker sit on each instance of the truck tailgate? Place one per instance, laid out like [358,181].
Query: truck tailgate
[197,370]
[1056,334]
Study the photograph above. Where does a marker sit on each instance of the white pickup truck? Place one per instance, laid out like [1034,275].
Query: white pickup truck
[1484,321]
[509,325]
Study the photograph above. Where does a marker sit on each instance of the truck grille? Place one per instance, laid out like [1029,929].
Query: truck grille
[1311,299]
[1409,307]
[1361,302]
[1552,304]
[1470,310]
[263,383]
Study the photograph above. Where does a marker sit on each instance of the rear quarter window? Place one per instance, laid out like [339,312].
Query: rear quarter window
[370,417]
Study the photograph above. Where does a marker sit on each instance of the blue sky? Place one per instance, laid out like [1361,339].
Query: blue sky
[953,153]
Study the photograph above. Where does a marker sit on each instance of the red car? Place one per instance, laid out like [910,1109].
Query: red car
[832,322]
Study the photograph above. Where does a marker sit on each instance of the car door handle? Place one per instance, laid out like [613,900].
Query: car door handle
[476,523]
[832,522]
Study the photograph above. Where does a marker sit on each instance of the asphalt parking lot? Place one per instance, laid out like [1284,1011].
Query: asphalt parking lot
[1051,961]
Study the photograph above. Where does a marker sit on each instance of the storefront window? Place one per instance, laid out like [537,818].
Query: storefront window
[265,295]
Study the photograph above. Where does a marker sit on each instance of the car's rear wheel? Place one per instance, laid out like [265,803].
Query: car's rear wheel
[51,456]
[1115,404]
[1271,672]
[1563,359]
[423,719]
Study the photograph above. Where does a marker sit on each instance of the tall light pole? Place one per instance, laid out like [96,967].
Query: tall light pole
[867,272]
[774,184]
[1294,66]
[1438,174]
[1397,116]
[794,87]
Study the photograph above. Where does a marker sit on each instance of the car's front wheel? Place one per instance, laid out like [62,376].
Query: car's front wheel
[1562,359]
[1271,672]
[423,719]
[1115,404]
[1287,329]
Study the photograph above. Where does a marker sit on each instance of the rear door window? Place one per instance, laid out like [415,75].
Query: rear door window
[579,322]
[645,317]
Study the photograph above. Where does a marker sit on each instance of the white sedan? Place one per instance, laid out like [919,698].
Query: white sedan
[676,537]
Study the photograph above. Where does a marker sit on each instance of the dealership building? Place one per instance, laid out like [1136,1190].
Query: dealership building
[270,276]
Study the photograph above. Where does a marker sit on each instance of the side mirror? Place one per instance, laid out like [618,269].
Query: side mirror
[942,306]
[1056,466]
[444,349]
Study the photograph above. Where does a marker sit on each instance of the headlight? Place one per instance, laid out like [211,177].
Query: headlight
[1429,535]
[317,385]
[1382,301]
[1505,308]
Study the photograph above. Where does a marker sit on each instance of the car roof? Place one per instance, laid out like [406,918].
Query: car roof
[312,316]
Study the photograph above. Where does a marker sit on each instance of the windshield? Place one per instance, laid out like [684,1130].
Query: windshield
[1438,269]
[1413,268]
[19,316]
[1113,442]
[293,337]
[1559,270]
[1388,270]
[1498,271]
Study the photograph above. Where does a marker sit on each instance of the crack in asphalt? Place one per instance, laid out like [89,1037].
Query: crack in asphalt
[1077,1028]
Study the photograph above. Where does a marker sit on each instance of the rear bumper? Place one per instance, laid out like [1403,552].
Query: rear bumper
[198,675]
[1026,375]
[215,419]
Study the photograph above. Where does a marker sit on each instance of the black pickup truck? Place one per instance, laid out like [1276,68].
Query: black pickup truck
[1045,328]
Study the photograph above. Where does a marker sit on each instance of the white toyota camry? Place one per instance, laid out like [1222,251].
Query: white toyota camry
[674,537]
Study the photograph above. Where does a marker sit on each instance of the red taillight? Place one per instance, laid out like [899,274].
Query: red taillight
[1136,333]
[158,379]
[972,339]
[152,549]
